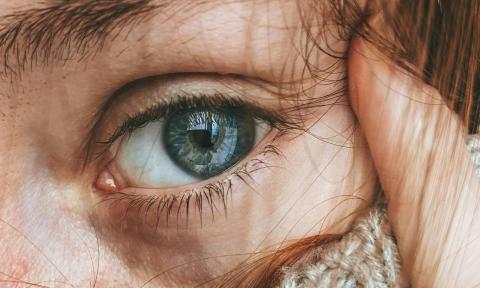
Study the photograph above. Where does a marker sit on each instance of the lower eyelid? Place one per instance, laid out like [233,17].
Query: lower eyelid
[157,205]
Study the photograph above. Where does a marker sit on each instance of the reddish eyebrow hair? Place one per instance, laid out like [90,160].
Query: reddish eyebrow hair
[67,28]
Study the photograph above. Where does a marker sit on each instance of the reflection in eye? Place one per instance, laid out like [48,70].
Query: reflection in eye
[205,143]
[188,146]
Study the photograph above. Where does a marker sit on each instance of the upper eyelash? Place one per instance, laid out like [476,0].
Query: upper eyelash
[217,101]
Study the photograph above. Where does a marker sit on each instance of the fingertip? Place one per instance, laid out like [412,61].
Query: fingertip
[368,71]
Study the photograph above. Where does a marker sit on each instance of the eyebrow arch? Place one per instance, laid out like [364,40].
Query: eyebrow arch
[63,29]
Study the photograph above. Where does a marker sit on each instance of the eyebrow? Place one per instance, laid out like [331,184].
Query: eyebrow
[63,29]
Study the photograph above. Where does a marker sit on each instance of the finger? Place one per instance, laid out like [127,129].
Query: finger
[405,121]
[418,147]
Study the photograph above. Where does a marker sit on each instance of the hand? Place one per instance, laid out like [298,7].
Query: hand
[419,150]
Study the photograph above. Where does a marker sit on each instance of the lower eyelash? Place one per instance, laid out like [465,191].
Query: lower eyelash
[164,207]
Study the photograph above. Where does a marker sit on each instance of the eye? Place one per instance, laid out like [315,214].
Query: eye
[175,131]
[173,142]
[187,146]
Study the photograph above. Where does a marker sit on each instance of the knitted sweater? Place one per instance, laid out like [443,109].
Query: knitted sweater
[364,257]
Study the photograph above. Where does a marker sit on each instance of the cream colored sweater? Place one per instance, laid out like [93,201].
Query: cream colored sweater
[364,257]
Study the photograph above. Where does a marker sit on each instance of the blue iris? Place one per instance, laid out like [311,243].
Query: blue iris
[206,142]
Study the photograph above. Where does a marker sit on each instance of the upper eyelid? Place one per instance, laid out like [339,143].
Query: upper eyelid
[166,90]
[110,122]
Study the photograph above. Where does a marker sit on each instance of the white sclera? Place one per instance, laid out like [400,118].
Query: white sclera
[143,161]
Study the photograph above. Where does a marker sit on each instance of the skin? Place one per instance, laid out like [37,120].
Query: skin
[55,231]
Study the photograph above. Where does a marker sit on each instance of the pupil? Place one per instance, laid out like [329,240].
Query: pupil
[202,138]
